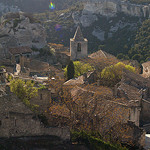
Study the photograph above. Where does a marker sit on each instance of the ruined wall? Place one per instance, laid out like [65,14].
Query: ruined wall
[42,99]
[128,133]
[36,65]
[17,120]
[25,126]
[145,112]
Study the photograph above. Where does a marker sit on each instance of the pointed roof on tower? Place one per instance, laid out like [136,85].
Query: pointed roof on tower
[78,35]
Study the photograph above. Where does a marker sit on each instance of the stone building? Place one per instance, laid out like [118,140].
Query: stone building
[146,69]
[18,55]
[135,88]
[42,99]
[17,120]
[78,45]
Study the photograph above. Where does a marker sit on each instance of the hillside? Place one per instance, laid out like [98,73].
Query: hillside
[114,35]
[141,49]
[140,1]
[108,25]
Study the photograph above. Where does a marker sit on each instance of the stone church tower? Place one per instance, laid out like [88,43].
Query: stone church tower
[78,46]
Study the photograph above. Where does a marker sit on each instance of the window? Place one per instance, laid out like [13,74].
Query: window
[79,47]
[0,122]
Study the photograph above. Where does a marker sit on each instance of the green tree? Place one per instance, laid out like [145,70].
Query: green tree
[122,56]
[112,75]
[24,90]
[141,49]
[70,70]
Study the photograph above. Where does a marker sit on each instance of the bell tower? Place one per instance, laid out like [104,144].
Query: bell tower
[78,45]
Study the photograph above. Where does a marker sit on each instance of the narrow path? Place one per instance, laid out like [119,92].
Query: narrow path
[147,142]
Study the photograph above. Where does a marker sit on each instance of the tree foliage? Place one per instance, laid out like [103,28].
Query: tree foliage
[80,68]
[113,74]
[93,142]
[24,90]
[141,49]
[70,70]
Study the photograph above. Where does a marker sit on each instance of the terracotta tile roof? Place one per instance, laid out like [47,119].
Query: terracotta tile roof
[20,50]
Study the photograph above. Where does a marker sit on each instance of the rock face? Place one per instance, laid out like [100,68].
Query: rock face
[6,8]
[21,29]
[109,8]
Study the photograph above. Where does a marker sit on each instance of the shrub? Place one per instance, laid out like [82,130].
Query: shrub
[80,68]
[92,142]
[112,75]
[24,90]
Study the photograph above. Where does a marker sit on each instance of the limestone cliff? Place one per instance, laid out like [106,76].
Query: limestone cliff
[110,8]
[21,29]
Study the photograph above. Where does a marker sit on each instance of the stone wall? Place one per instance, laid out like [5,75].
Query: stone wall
[43,100]
[145,112]
[17,120]
[146,127]
[129,134]
[36,65]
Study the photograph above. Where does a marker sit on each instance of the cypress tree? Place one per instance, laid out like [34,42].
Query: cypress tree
[70,70]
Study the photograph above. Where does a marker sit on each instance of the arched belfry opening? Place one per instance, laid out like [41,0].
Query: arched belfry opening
[78,45]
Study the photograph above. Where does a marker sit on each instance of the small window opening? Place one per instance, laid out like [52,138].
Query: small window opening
[79,47]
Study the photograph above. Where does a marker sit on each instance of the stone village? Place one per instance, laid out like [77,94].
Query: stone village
[132,93]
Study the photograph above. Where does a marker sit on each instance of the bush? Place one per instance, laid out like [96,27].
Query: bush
[80,68]
[23,90]
[92,142]
[112,75]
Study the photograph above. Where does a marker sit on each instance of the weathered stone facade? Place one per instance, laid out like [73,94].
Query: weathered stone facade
[78,46]
[18,120]
[128,133]
[135,88]
[43,100]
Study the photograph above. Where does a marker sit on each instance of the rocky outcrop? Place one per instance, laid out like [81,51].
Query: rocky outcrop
[108,8]
[6,8]
[21,29]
